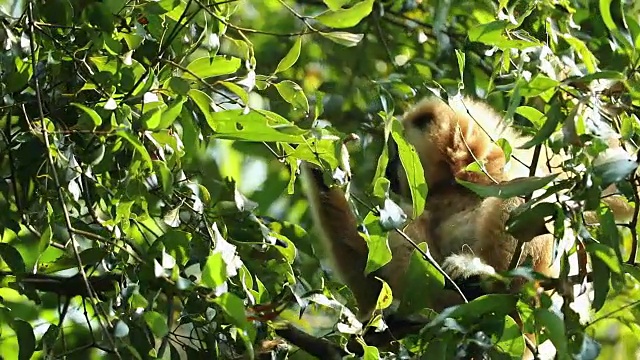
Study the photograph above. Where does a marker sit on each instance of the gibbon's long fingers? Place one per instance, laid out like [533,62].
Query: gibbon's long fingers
[339,230]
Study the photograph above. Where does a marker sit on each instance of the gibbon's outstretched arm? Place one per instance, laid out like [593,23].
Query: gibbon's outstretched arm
[338,228]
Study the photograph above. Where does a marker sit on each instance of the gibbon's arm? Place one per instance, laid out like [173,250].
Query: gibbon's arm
[339,231]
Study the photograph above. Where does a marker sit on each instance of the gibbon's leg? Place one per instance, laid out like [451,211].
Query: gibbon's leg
[339,231]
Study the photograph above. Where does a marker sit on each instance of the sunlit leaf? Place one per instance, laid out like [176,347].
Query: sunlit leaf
[92,114]
[413,169]
[343,38]
[257,125]
[376,237]
[214,272]
[157,323]
[344,18]
[206,67]
[292,56]
[554,328]
[293,94]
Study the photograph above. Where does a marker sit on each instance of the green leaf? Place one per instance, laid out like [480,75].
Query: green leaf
[412,167]
[18,78]
[12,258]
[345,18]
[601,274]
[590,61]
[257,125]
[336,4]
[554,328]
[371,353]
[170,114]
[422,278]
[509,189]
[26,338]
[537,85]
[177,244]
[291,57]
[93,115]
[532,114]
[492,34]
[165,176]
[510,340]
[89,256]
[343,38]
[461,61]
[614,171]
[178,85]
[379,251]
[233,306]
[206,67]
[236,89]
[606,254]
[214,272]
[385,297]
[531,219]
[553,118]
[202,101]
[293,94]
[499,304]
[157,323]
[137,145]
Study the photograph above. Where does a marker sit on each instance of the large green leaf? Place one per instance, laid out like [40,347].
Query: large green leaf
[345,18]
[256,125]
[206,67]
[509,189]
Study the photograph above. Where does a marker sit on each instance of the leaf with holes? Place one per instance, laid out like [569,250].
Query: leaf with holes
[256,125]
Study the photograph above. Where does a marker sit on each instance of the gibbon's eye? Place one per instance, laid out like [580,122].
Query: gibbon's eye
[421,121]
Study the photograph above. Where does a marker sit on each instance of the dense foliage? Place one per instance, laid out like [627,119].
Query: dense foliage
[150,205]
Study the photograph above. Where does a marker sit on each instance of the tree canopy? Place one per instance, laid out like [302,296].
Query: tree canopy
[151,205]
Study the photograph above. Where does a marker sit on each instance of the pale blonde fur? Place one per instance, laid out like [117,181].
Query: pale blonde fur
[465,233]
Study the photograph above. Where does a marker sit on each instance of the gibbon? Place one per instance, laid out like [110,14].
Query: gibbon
[465,233]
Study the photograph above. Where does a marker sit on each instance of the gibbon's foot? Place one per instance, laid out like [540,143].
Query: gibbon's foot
[464,266]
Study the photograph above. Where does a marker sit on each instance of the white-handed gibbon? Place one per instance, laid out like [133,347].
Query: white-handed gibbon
[465,233]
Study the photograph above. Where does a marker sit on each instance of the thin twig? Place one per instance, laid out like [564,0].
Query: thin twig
[517,254]
[425,254]
[56,179]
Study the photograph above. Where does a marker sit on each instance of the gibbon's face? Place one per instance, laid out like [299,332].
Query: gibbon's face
[421,125]
[447,140]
